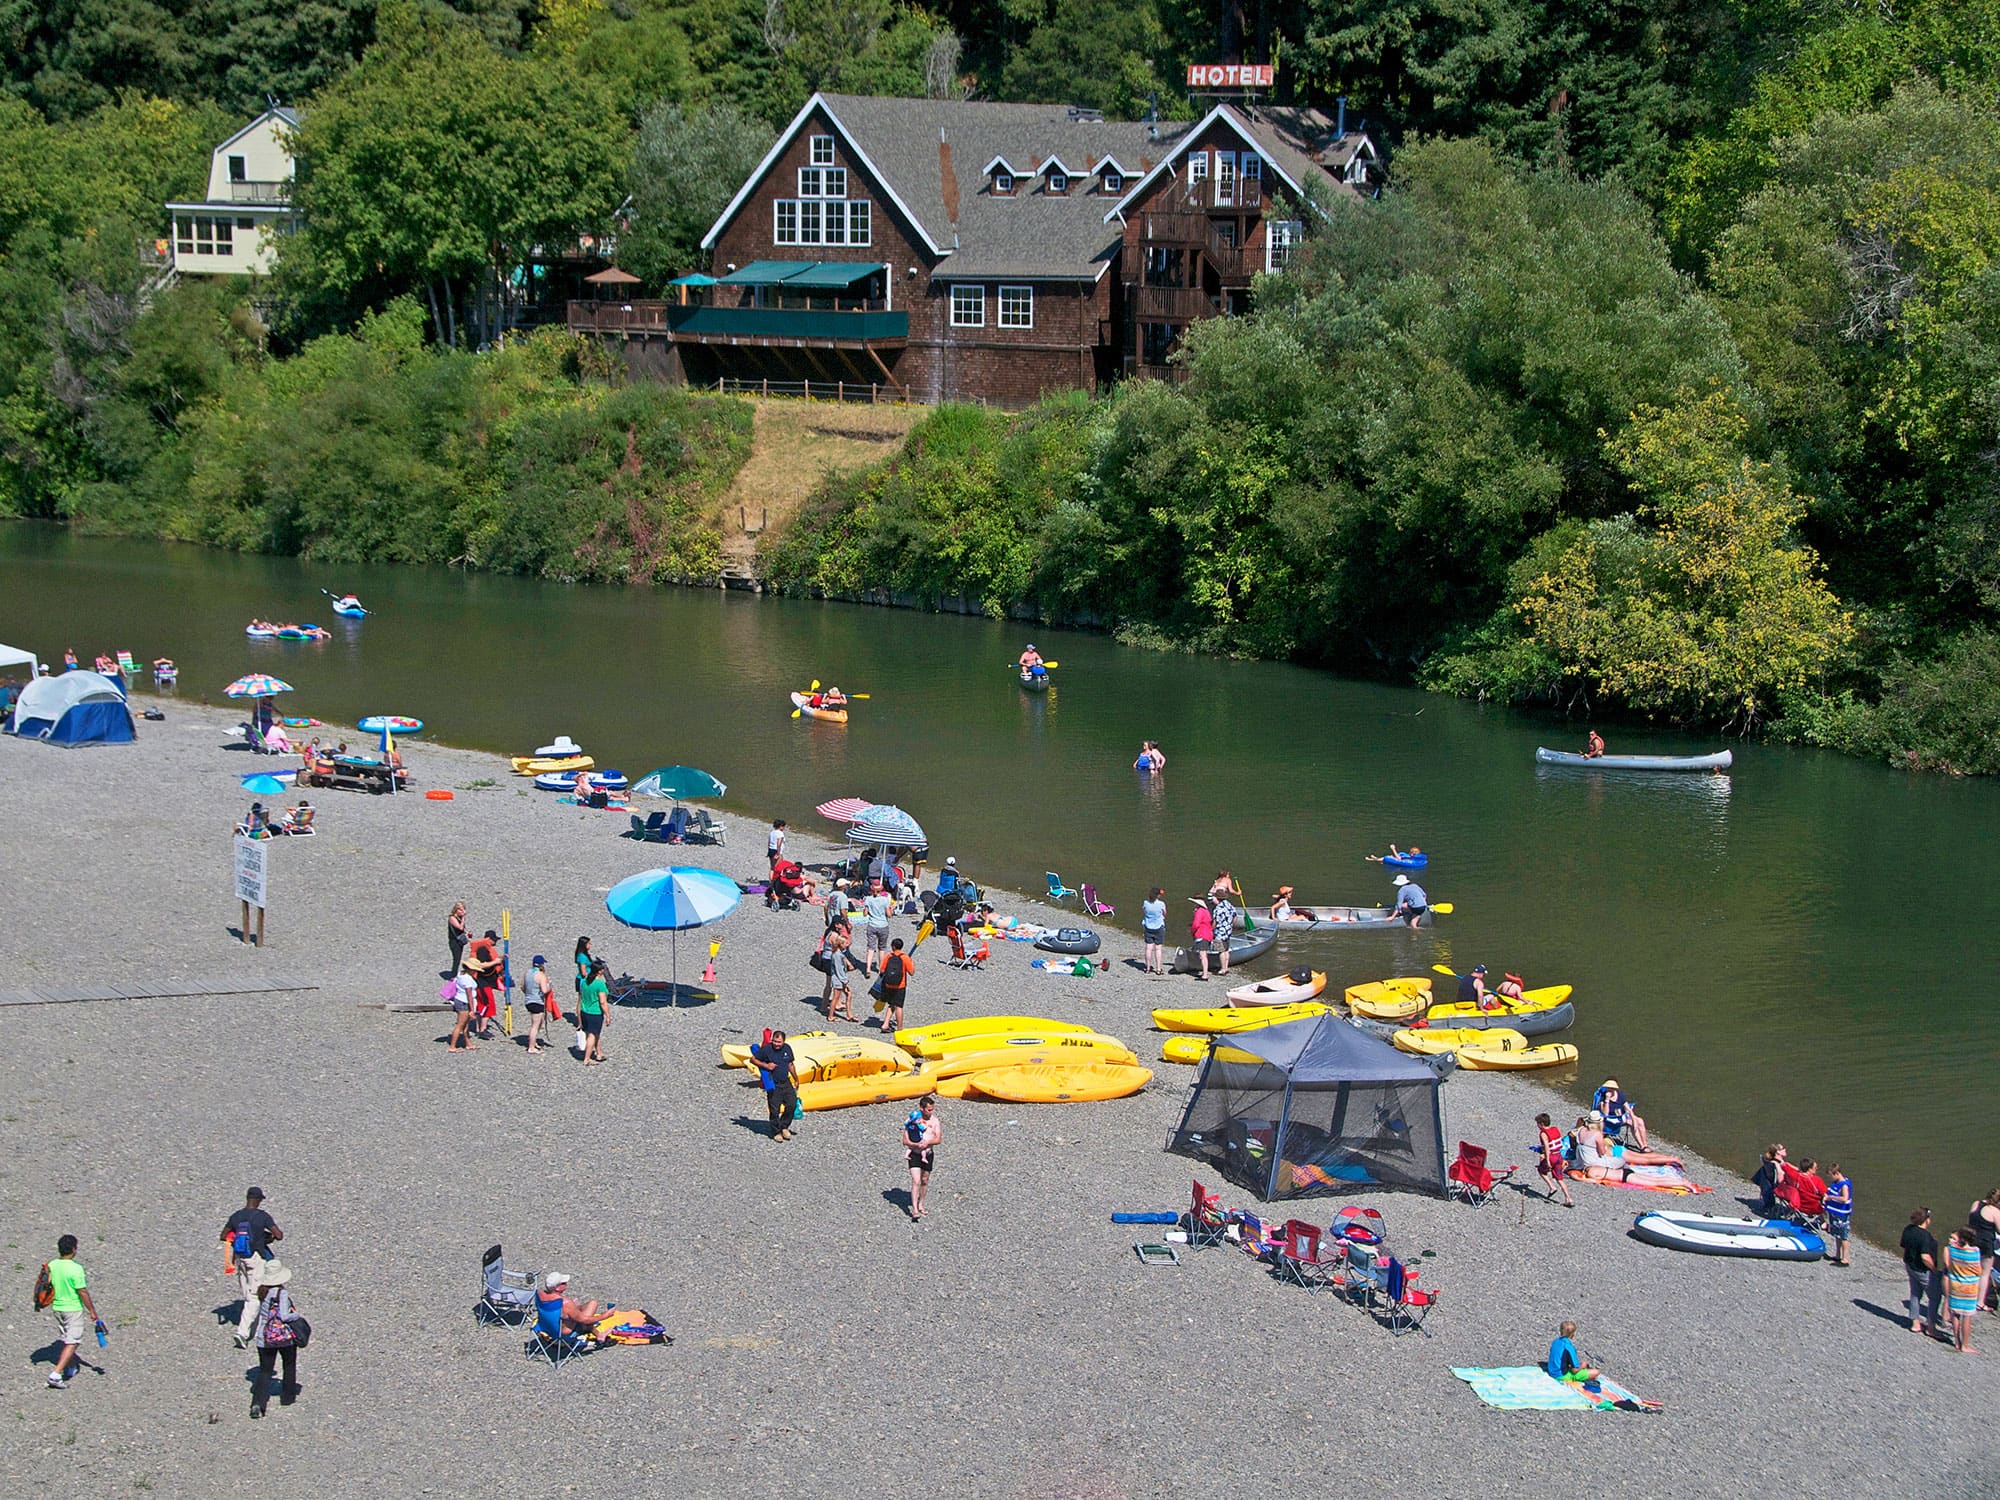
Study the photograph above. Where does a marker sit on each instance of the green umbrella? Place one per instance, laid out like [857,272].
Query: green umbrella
[682,783]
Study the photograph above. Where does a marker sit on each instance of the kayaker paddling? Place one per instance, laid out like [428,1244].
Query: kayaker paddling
[1593,745]
[1031,663]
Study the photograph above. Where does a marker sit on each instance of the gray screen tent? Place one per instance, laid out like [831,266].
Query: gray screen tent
[1322,1108]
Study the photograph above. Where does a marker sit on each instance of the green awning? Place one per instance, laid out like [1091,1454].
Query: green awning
[766,273]
[834,273]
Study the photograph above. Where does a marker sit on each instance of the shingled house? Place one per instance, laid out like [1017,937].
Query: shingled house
[984,252]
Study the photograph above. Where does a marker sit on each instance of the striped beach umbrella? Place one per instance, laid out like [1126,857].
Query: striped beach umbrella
[844,809]
[256,685]
[887,825]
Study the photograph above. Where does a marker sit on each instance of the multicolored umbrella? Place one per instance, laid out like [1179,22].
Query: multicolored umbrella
[844,809]
[887,825]
[668,900]
[256,685]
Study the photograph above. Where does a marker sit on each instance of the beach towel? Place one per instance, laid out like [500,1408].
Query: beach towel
[629,1325]
[1531,1388]
[1650,1180]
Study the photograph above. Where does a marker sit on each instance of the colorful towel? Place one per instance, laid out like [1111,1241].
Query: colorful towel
[630,1325]
[1531,1388]
[1649,1180]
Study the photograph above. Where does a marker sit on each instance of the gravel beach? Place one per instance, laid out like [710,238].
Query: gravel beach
[1010,1345]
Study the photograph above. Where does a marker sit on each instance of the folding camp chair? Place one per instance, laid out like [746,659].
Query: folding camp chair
[504,1296]
[1469,1178]
[1206,1220]
[1091,904]
[963,957]
[549,1340]
[1409,1304]
[1058,892]
[1298,1257]
[1363,1274]
[707,827]
[675,830]
[647,829]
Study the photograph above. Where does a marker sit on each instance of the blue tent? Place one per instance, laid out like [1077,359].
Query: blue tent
[77,708]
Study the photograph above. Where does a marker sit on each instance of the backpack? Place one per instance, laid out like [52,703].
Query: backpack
[278,1330]
[45,1289]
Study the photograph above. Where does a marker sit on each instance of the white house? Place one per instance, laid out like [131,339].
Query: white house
[232,231]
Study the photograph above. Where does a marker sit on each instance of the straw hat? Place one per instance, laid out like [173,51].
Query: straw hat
[275,1273]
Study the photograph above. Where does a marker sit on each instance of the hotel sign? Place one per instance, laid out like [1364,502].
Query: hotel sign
[1231,75]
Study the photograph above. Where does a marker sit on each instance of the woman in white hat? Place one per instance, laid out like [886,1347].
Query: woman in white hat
[577,1316]
[276,1338]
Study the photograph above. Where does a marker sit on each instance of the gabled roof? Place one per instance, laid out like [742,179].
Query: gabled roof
[1282,136]
[282,113]
[1055,164]
[1001,162]
[1108,160]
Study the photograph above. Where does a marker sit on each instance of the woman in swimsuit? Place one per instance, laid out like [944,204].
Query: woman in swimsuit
[1600,1159]
[1982,1230]
[920,1142]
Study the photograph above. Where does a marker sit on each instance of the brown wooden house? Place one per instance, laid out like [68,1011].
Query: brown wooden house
[954,250]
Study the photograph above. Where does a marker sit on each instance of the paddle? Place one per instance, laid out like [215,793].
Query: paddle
[1443,908]
[1445,969]
[923,932]
[1051,665]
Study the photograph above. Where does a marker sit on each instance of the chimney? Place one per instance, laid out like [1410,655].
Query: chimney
[1340,118]
[947,178]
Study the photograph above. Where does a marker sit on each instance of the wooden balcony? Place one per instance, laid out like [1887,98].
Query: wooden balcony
[1207,194]
[771,326]
[1173,304]
[258,192]
[1197,232]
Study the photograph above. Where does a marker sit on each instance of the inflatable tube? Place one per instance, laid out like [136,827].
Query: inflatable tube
[439,795]
[395,723]
[1711,1234]
[1406,861]
[565,781]
[257,634]
[1069,940]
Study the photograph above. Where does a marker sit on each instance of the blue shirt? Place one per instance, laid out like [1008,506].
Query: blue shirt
[1153,914]
[1614,1106]
[1840,1200]
[1412,895]
[1563,1358]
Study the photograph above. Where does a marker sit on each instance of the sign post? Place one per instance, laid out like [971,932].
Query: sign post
[252,884]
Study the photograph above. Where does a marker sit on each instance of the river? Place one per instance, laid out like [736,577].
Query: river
[1797,951]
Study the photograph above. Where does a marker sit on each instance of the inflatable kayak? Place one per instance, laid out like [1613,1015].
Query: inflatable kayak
[1225,1019]
[1069,940]
[1294,988]
[1390,999]
[1416,859]
[1711,1234]
[1062,1083]
[565,781]
[1035,684]
[827,715]
[1720,761]
[537,765]
[1243,947]
[394,723]
[349,607]
[1307,917]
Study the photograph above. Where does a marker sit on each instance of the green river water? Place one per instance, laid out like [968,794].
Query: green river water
[1801,950]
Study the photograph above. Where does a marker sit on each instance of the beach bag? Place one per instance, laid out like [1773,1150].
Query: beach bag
[45,1289]
[581,1041]
[302,1331]
[278,1332]
[448,991]
[820,961]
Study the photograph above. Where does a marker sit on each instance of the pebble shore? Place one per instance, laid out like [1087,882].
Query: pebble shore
[1011,1345]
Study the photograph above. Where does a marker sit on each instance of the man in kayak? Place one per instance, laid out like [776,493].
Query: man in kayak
[1412,903]
[1593,745]
[1031,662]
[1472,990]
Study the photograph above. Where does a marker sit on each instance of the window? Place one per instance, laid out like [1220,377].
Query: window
[1113,183]
[1252,166]
[809,181]
[1166,266]
[1156,341]
[246,223]
[1225,231]
[1225,177]
[1003,182]
[787,228]
[822,150]
[1281,236]
[239,169]
[1197,166]
[809,222]
[813,221]
[859,215]
[1017,307]
[224,244]
[183,235]
[834,224]
[1058,182]
[968,307]
[836,182]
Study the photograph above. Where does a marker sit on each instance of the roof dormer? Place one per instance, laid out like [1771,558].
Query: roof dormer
[1109,175]
[1000,177]
[1055,176]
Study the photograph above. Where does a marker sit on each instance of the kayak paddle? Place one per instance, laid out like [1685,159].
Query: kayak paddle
[1443,908]
[1445,969]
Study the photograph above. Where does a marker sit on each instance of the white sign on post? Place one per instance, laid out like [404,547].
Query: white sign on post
[250,872]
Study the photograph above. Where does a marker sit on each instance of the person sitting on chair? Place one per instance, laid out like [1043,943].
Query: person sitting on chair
[1031,662]
[257,822]
[789,882]
[1619,1115]
[578,1316]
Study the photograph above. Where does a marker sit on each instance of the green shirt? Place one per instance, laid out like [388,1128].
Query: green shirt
[593,996]
[66,1276]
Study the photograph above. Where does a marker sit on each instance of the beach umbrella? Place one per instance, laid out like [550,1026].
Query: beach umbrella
[264,785]
[883,824]
[671,899]
[682,783]
[256,685]
[844,809]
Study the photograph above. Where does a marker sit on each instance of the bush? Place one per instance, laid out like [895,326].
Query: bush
[1942,714]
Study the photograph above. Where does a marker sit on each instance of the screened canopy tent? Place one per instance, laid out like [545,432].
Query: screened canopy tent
[14,656]
[1322,1108]
[77,708]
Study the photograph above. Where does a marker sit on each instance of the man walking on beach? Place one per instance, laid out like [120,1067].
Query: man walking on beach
[69,1301]
[895,987]
[776,1066]
[247,1238]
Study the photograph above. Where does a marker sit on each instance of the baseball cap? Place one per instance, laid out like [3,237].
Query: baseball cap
[254,1192]
[555,1279]
[1479,968]
[538,961]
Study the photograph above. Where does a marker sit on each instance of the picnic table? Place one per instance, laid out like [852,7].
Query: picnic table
[361,773]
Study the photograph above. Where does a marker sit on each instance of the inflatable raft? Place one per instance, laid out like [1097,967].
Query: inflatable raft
[565,781]
[394,723]
[1711,1234]
[1416,859]
[1720,761]
[1069,940]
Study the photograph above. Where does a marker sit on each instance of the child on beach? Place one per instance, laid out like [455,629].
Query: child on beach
[1565,1360]
[461,1004]
[1839,1213]
[1549,1159]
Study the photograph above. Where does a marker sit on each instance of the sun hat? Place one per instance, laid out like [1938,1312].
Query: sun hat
[1402,880]
[1284,890]
[555,1279]
[275,1273]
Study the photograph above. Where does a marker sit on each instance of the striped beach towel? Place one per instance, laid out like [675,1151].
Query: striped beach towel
[1531,1388]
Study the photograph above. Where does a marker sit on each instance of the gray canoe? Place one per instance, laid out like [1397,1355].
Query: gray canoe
[1243,946]
[1035,684]
[1528,1023]
[1342,918]
[1720,761]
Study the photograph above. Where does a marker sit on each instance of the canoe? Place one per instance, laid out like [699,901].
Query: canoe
[1035,684]
[1435,1040]
[1537,1011]
[1415,861]
[1720,761]
[1712,1234]
[536,765]
[565,781]
[960,1064]
[828,715]
[1062,1083]
[1192,1049]
[1222,1020]
[1021,1041]
[1288,989]
[1243,947]
[914,1037]
[1069,940]
[1390,999]
[394,723]
[1341,918]
[1513,1059]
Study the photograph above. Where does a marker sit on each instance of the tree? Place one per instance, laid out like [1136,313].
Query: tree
[1097,53]
[685,168]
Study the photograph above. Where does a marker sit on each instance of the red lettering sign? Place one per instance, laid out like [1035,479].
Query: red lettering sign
[1231,75]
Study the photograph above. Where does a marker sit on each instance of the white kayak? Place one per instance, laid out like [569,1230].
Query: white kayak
[1294,988]
[1713,1234]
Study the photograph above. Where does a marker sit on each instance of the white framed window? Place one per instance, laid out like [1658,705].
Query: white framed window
[809,222]
[860,216]
[1003,182]
[1280,236]
[183,235]
[835,184]
[809,181]
[1017,307]
[785,227]
[968,306]
[1225,177]
[1058,182]
[224,244]
[1113,183]
[1197,166]
[833,223]
[822,150]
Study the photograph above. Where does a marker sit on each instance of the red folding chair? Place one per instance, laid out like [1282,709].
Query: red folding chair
[1409,1304]
[1469,1178]
[1206,1220]
[1298,1256]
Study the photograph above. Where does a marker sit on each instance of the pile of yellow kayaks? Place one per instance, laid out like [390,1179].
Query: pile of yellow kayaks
[1019,1059]
[1491,1049]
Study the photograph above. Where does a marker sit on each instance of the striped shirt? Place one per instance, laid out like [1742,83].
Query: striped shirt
[1840,1200]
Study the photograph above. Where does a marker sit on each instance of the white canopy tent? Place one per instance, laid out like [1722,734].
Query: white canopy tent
[13,656]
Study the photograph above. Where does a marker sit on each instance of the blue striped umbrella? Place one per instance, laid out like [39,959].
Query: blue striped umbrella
[887,825]
[256,685]
[671,899]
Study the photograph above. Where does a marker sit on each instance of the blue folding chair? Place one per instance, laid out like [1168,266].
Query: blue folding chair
[1058,892]
[550,1340]
[675,830]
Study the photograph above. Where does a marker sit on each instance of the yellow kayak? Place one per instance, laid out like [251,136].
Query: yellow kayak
[1227,1018]
[1026,1041]
[1192,1049]
[830,715]
[1433,1040]
[541,765]
[913,1037]
[840,1093]
[737,1054]
[1489,1058]
[1548,997]
[813,1052]
[1390,999]
[961,1064]
[1062,1083]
